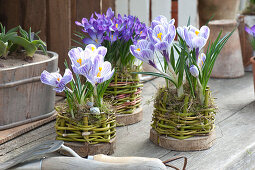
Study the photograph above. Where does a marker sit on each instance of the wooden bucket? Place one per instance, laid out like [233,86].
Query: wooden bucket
[23,98]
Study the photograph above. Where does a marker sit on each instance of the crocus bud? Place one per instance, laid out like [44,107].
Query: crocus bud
[194,71]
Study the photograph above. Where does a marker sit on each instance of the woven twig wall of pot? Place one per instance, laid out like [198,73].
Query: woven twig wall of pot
[100,131]
[182,125]
[124,92]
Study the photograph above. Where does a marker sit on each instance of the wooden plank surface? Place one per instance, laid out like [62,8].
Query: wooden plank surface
[8,134]
[34,16]
[161,7]
[122,7]
[59,29]
[10,13]
[85,8]
[186,9]
[141,9]
[106,4]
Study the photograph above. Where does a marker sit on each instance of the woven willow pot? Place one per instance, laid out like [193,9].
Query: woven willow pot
[183,130]
[124,94]
[87,138]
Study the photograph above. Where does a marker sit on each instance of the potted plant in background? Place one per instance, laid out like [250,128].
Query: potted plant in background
[85,122]
[251,32]
[246,19]
[117,34]
[20,67]
[184,108]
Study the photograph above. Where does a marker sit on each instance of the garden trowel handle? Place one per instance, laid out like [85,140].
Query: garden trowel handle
[69,150]
[111,159]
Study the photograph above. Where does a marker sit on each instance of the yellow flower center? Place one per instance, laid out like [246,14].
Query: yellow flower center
[99,73]
[196,32]
[96,40]
[159,35]
[141,32]
[112,36]
[93,48]
[138,49]
[79,61]
[116,25]
[58,79]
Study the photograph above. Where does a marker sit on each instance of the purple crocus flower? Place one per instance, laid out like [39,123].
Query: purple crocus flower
[144,51]
[196,39]
[180,31]
[112,36]
[96,38]
[90,63]
[56,80]
[79,57]
[98,70]
[162,20]
[251,30]
[161,36]
[109,13]
[117,24]
[194,70]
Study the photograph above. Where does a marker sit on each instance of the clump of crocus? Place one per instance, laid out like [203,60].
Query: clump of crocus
[191,66]
[251,31]
[115,33]
[90,64]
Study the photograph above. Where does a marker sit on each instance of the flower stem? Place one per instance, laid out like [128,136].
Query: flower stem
[200,91]
[180,91]
[97,99]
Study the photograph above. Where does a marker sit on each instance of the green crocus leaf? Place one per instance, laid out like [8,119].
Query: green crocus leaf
[3,48]
[30,48]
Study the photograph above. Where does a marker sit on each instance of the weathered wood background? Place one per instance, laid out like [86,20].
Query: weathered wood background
[56,18]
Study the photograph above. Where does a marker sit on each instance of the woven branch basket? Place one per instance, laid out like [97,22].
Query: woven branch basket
[183,124]
[101,131]
[124,93]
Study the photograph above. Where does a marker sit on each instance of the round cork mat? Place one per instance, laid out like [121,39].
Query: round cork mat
[85,149]
[191,144]
[128,119]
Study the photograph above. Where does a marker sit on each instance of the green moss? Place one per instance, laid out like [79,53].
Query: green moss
[83,110]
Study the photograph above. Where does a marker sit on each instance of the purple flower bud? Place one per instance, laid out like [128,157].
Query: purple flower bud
[194,71]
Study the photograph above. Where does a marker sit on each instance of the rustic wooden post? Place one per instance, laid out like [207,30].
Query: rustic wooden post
[34,16]
[59,29]
[26,13]
[10,13]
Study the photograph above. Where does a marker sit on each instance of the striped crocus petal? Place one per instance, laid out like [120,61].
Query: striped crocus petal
[56,80]
[76,56]
[105,72]
[67,77]
[201,59]
[51,79]
[195,38]
[194,70]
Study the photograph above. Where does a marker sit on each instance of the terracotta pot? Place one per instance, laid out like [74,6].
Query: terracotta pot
[229,63]
[220,9]
[23,97]
[243,20]
[252,59]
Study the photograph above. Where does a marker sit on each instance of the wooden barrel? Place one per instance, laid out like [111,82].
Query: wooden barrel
[229,63]
[23,98]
